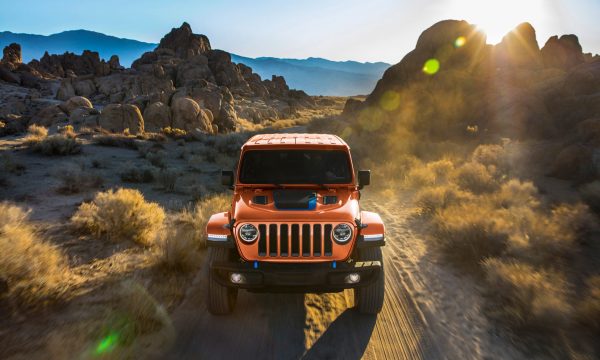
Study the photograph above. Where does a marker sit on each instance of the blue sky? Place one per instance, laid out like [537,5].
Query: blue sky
[367,30]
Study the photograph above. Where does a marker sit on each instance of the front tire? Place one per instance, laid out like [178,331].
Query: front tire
[369,299]
[221,299]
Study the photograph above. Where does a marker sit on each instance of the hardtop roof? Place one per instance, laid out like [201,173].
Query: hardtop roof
[304,140]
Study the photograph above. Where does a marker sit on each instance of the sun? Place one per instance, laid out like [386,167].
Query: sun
[497,18]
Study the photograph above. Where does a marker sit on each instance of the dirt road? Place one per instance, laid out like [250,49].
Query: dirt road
[291,326]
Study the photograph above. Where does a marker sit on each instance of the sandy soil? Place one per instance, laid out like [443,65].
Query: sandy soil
[429,313]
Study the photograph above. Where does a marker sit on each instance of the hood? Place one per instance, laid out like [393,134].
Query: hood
[296,205]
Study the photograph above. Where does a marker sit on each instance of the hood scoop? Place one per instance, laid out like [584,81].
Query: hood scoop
[295,199]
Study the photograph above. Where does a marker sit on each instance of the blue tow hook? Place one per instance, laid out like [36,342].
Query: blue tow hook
[255,264]
[334,264]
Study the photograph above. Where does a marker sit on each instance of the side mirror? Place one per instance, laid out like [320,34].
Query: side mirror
[227,177]
[364,178]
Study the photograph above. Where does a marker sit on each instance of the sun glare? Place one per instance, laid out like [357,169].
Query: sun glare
[496,18]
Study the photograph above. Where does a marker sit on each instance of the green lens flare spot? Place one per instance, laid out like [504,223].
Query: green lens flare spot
[460,41]
[107,344]
[431,66]
[390,101]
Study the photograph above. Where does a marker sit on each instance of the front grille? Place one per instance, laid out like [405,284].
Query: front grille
[295,240]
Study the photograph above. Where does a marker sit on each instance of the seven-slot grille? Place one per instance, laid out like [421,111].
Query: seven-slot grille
[295,240]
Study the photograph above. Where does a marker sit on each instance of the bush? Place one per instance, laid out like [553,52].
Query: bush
[36,133]
[193,221]
[475,177]
[515,193]
[167,179]
[116,140]
[429,174]
[35,271]
[174,133]
[120,215]
[177,248]
[157,158]
[590,193]
[75,178]
[67,131]
[471,232]
[527,296]
[588,309]
[137,174]
[57,145]
[491,155]
[432,199]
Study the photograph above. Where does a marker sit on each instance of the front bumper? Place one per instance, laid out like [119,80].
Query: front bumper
[296,277]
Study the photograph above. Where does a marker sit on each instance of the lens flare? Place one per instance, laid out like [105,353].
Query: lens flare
[390,101]
[431,66]
[460,41]
[107,344]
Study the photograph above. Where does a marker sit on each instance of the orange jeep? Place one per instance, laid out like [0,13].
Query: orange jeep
[295,224]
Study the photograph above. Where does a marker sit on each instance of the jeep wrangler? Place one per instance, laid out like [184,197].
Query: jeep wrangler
[295,224]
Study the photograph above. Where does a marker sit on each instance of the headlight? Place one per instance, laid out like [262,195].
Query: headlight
[248,233]
[342,233]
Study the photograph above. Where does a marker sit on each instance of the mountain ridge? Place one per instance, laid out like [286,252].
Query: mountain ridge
[315,75]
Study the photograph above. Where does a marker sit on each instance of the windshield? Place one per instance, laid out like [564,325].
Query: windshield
[295,167]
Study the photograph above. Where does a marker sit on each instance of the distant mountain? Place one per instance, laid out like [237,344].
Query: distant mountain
[34,46]
[319,76]
[316,76]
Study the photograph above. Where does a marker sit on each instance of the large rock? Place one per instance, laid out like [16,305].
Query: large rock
[84,117]
[118,117]
[9,76]
[74,103]
[193,70]
[12,55]
[49,116]
[157,116]
[184,43]
[88,63]
[563,53]
[227,117]
[188,115]
[518,49]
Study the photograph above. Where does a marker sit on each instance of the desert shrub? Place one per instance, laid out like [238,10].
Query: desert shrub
[34,270]
[119,215]
[588,309]
[57,145]
[491,155]
[590,193]
[174,133]
[475,177]
[135,313]
[67,131]
[193,221]
[157,158]
[528,296]
[516,193]
[36,133]
[116,140]
[167,178]
[230,144]
[470,232]
[177,248]
[432,199]
[137,174]
[75,178]
[432,173]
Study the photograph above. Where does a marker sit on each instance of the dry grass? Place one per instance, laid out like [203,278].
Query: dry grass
[59,144]
[137,174]
[36,133]
[475,178]
[76,178]
[167,178]
[588,310]
[121,215]
[528,296]
[174,133]
[34,272]
[430,200]
[116,140]
[194,220]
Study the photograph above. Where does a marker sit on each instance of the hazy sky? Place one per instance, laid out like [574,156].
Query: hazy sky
[366,30]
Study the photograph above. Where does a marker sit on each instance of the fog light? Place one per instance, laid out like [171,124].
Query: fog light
[352,278]
[237,278]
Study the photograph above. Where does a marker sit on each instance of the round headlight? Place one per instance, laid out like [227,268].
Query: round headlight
[342,233]
[248,233]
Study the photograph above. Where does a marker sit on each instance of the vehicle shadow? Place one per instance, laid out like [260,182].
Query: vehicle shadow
[346,337]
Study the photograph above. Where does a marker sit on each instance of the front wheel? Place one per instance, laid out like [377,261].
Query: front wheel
[221,299]
[369,299]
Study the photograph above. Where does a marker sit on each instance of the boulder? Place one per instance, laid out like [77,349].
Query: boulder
[193,70]
[114,63]
[9,76]
[88,63]
[184,43]
[75,102]
[187,115]
[563,53]
[49,116]
[13,124]
[157,116]
[84,117]
[519,48]
[85,88]
[12,55]
[118,117]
